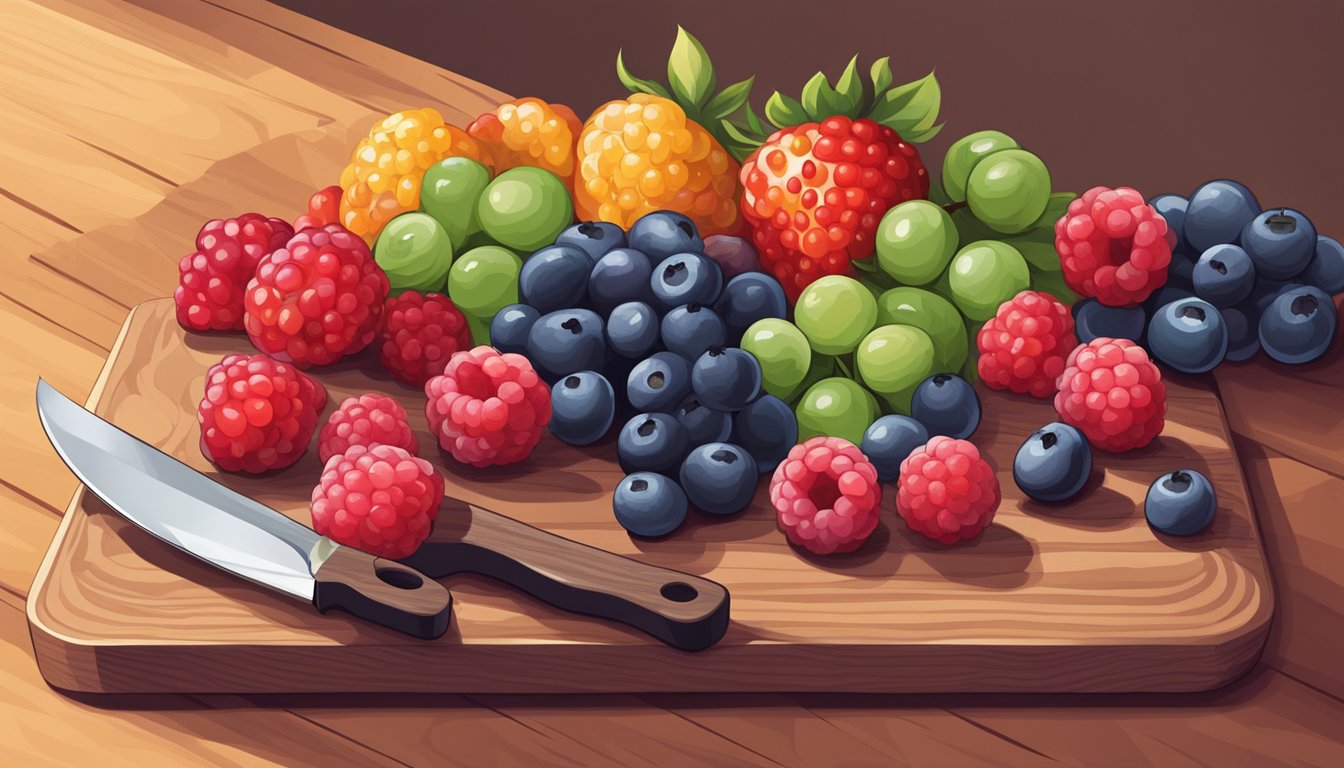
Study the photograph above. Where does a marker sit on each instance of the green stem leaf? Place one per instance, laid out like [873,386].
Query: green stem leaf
[689,71]
[849,90]
[783,111]
[638,84]
[729,100]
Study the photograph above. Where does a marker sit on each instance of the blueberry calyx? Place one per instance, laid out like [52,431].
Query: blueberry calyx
[1305,304]
[1179,481]
[723,455]
[572,382]
[1281,223]
[590,230]
[657,380]
[716,351]
[692,307]
[685,227]
[941,379]
[648,427]
[573,325]
[1218,266]
[639,486]
[1192,312]
[691,406]
[1049,439]
[675,274]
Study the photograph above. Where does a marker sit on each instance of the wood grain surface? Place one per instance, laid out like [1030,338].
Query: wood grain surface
[1079,597]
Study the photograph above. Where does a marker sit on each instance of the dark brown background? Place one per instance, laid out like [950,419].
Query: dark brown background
[1155,94]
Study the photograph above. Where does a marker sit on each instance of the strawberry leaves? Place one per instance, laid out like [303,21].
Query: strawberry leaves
[637,84]
[689,71]
[910,109]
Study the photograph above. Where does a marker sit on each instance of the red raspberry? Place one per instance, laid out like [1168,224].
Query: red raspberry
[420,332]
[211,280]
[1114,393]
[825,495]
[378,498]
[1023,346]
[324,208]
[488,408]
[947,491]
[317,299]
[370,419]
[1114,246]
[257,413]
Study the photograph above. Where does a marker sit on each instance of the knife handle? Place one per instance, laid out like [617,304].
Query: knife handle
[680,609]
[382,591]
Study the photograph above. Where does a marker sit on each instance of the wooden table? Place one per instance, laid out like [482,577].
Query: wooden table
[114,111]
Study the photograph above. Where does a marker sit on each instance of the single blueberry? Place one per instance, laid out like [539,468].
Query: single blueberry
[1053,464]
[690,330]
[1172,208]
[747,298]
[620,275]
[1180,503]
[1162,297]
[594,238]
[583,406]
[703,425]
[726,378]
[651,442]
[1299,325]
[946,405]
[556,277]
[1224,275]
[719,478]
[1181,270]
[1326,269]
[686,278]
[633,329]
[888,441]
[767,429]
[1188,335]
[510,326]
[1217,213]
[1243,331]
[1281,242]
[663,233]
[659,382]
[648,504]
[566,341]
[1096,320]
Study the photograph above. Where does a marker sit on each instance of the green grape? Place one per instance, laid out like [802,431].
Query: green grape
[782,351]
[932,314]
[484,280]
[820,367]
[415,253]
[963,155]
[837,407]
[893,360]
[985,274]
[525,208]
[915,241]
[1008,190]
[1053,284]
[450,192]
[835,313]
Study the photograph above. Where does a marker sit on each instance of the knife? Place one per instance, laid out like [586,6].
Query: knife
[232,532]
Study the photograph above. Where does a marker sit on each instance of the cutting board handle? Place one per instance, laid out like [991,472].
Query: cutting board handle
[682,610]
[382,591]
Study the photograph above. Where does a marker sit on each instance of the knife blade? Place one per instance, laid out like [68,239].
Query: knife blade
[219,526]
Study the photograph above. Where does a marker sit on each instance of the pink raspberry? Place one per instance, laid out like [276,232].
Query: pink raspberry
[211,280]
[420,332]
[947,491]
[1113,393]
[825,495]
[488,408]
[378,498]
[369,419]
[1113,246]
[257,413]
[1022,348]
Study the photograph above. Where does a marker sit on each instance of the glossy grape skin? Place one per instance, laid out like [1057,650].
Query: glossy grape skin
[525,208]
[1008,191]
[783,353]
[835,313]
[983,275]
[963,156]
[915,241]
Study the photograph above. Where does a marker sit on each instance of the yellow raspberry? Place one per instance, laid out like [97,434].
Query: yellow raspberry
[641,154]
[530,132]
[383,177]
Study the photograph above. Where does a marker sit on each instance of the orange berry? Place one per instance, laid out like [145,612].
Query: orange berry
[531,132]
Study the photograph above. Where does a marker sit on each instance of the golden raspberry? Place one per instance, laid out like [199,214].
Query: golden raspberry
[641,154]
[383,177]
[530,132]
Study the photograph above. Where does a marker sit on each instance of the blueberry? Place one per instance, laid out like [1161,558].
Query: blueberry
[1162,297]
[663,233]
[690,330]
[1172,208]
[556,277]
[510,326]
[620,275]
[703,425]
[686,278]
[1266,291]
[1053,464]
[1224,275]
[632,329]
[726,378]
[1326,269]
[1095,320]
[1188,335]
[1181,270]
[1299,325]
[659,382]
[734,255]
[594,238]
[888,441]
[651,442]
[946,405]
[1281,242]
[583,406]
[719,478]
[563,342]
[747,298]
[1243,331]
[1180,503]
[767,429]
[1217,213]
[648,504]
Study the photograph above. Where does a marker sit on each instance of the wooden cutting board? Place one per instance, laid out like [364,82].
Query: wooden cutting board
[1083,597]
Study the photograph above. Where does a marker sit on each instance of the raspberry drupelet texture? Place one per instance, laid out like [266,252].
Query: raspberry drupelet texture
[946,491]
[1113,246]
[370,419]
[488,408]
[530,132]
[212,279]
[317,299]
[814,195]
[257,413]
[378,498]
[420,332]
[1023,347]
[826,494]
[324,208]
[1112,392]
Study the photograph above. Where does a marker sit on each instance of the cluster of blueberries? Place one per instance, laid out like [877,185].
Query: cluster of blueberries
[643,327]
[1242,278]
